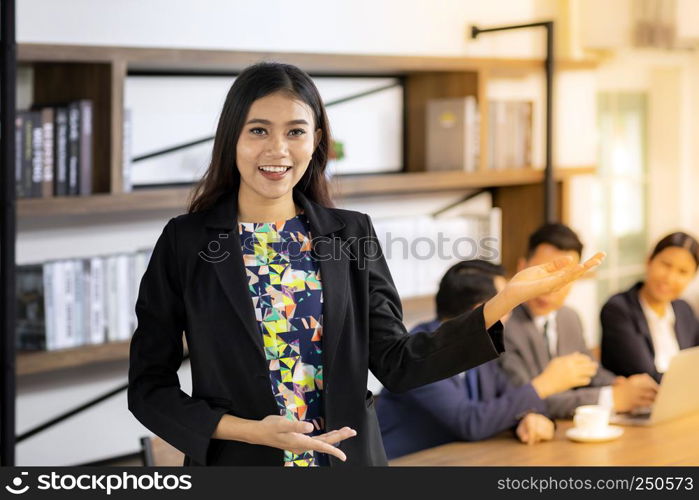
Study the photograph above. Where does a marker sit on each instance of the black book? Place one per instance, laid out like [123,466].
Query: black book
[60,146]
[37,154]
[74,148]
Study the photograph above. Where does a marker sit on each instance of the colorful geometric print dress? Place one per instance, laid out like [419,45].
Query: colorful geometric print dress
[284,283]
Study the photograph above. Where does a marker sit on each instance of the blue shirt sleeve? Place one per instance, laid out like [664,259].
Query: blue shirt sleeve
[448,402]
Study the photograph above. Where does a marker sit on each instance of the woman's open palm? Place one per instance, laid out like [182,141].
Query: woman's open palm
[547,278]
[279,432]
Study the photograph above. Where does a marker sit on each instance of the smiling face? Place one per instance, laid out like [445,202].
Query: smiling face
[669,273]
[544,304]
[275,146]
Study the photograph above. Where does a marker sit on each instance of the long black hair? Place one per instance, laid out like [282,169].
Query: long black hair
[255,82]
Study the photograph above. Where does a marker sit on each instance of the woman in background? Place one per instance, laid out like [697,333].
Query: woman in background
[645,326]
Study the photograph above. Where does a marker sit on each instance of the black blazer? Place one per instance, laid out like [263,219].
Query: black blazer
[627,347]
[200,287]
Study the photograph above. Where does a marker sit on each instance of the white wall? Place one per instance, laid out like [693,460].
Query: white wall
[357,26]
[692,153]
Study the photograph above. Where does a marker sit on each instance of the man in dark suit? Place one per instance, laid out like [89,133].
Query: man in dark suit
[543,329]
[475,404]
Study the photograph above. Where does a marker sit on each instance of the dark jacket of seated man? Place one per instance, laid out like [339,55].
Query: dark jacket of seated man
[453,409]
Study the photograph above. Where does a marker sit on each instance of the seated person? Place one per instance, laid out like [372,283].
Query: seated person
[543,329]
[475,404]
[645,326]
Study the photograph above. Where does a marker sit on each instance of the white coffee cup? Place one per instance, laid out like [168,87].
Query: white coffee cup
[592,419]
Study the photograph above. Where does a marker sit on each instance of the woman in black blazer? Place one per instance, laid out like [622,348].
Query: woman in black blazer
[268,171]
[629,343]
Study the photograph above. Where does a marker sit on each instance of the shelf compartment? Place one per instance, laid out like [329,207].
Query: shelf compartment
[175,199]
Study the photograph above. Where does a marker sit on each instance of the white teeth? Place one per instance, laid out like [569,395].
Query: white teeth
[274,169]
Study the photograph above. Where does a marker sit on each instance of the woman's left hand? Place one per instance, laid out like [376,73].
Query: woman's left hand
[547,278]
[534,281]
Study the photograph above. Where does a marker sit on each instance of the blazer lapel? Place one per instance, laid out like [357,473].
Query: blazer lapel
[638,317]
[682,328]
[536,338]
[333,273]
[222,227]
[221,223]
[536,341]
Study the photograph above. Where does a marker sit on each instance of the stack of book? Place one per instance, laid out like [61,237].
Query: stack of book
[73,302]
[453,134]
[53,150]
[420,248]
[509,134]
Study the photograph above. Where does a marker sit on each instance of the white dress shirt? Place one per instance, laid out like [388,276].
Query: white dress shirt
[606,396]
[662,333]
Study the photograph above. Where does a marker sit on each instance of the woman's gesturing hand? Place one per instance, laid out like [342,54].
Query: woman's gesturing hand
[278,432]
[534,281]
[546,278]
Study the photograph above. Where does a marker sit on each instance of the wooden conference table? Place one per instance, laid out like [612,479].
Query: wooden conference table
[670,443]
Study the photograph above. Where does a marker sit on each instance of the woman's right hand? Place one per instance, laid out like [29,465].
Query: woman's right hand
[279,432]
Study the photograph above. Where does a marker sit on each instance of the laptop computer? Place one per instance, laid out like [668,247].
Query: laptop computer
[677,395]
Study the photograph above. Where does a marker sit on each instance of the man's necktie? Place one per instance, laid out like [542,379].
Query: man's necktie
[472,381]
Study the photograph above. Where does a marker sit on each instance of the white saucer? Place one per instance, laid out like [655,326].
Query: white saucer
[612,432]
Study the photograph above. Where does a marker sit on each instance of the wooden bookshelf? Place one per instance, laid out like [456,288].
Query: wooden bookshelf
[67,72]
[29,363]
[344,187]
[103,203]
[170,59]
[422,182]
[48,361]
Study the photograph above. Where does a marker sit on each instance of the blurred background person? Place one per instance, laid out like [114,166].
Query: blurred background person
[542,329]
[645,326]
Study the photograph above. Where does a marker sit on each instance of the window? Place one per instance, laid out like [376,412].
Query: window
[621,222]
